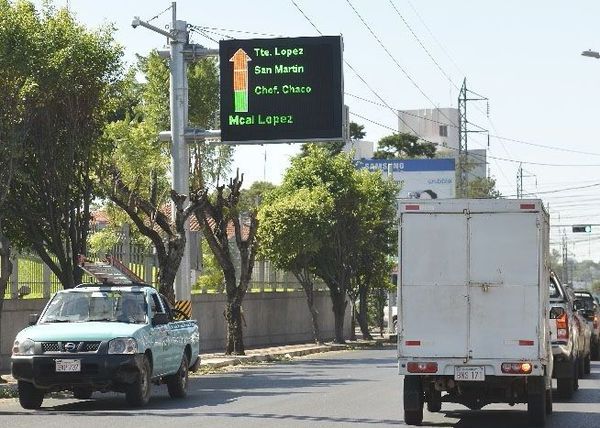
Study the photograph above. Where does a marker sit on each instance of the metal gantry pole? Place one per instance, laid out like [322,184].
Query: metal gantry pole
[180,153]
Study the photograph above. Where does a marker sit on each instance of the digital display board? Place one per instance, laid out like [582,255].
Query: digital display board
[281,90]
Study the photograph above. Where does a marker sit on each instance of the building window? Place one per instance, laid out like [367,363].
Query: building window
[443,130]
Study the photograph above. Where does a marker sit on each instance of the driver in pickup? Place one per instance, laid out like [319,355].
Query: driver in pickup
[131,312]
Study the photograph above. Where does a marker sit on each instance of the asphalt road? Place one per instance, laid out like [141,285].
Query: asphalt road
[338,389]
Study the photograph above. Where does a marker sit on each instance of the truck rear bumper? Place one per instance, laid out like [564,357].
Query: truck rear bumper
[447,366]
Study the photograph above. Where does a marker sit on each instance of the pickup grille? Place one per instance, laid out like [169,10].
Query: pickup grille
[59,347]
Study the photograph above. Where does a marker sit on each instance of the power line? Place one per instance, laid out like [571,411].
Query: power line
[498,137]
[158,15]
[434,38]
[567,189]
[408,76]
[423,46]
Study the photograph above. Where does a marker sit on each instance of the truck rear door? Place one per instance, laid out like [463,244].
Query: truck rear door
[433,313]
[503,285]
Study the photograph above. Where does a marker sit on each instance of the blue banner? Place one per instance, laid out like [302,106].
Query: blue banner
[408,165]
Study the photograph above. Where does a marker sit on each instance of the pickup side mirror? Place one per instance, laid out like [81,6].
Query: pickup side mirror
[160,319]
[33,319]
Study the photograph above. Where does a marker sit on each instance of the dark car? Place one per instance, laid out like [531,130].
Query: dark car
[590,310]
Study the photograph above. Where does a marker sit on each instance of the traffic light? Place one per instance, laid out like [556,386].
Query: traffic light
[582,228]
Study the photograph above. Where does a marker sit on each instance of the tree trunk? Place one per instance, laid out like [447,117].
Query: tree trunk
[338,298]
[5,267]
[5,272]
[307,286]
[353,322]
[363,319]
[233,315]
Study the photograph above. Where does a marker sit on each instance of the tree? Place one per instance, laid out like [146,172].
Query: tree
[63,75]
[138,181]
[291,230]
[402,146]
[216,213]
[357,131]
[376,240]
[482,188]
[333,263]
[251,198]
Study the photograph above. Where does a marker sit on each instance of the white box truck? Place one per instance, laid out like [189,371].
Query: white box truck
[472,305]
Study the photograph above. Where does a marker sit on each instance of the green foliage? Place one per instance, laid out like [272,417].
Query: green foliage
[212,274]
[57,78]
[332,147]
[292,226]
[403,146]
[357,131]
[482,188]
[252,198]
[596,286]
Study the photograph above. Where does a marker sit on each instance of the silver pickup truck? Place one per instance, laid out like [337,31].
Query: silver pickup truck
[105,338]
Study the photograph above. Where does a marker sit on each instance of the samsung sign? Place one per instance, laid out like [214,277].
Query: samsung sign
[281,90]
[418,178]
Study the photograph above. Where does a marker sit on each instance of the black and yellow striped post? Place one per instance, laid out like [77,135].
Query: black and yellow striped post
[184,307]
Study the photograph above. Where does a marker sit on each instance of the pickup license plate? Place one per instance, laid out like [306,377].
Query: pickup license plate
[469,373]
[68,365]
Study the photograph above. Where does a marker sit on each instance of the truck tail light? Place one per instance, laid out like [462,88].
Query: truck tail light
[516,368]
[562,326]
[417,367]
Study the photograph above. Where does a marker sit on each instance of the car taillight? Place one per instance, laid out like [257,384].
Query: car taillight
[422,367]
[562,326]
[596,322]
[516,368]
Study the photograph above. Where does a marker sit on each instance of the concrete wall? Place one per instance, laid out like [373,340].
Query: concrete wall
[271,319]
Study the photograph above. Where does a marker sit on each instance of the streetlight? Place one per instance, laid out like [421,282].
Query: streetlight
[591,53]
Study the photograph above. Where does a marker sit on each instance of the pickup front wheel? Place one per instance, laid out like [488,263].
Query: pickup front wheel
[30,397]
[138,393]
[177,383]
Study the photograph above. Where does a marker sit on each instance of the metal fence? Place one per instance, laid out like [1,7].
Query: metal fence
[32,278]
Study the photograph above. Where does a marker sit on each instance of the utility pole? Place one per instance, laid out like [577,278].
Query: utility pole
[179,54]
[463,133]
[565,260]
[520,176]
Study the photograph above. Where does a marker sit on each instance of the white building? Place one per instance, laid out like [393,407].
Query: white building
[361,149]
[440,126]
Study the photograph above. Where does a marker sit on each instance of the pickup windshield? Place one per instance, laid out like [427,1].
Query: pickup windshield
[93,305]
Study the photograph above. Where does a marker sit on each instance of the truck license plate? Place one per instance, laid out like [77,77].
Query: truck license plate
[469,373]
[68,365]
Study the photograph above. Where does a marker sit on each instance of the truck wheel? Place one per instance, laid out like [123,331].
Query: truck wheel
[587,365]
[576,376]
[177,383]
[413,400]
[434,401]
[30,397]
[138,393]
[82,393]
[196,366]
[549,401]
[566,385]
[596,351]
[581,368]
[536,401]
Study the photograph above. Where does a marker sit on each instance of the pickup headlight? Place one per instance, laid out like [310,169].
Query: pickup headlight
[123,345]
[23,347]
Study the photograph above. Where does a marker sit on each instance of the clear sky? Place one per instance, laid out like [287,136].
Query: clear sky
[523,55]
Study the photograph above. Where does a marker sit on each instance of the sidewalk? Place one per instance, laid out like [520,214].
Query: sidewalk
[212,361]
